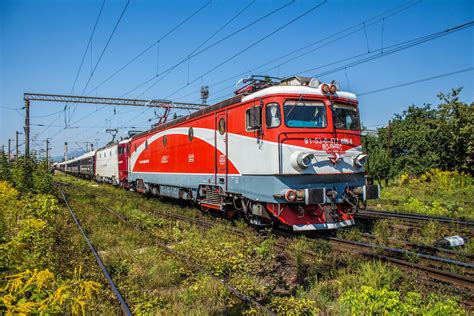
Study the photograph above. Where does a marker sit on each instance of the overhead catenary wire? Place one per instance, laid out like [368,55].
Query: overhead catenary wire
[105,47]
[395,48]
[101,54]
[381,52]
[313,8]
[211,45]
[332,37]
[87,46]
[416,81]
[157,42]
[202,44]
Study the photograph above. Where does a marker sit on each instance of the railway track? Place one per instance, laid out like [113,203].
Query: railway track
[432,266]
[428,250]
[124,306]
[435,267]
[413,218]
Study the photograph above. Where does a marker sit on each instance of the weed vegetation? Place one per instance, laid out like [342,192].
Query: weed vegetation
[35,276]
[289,282]
[436,193]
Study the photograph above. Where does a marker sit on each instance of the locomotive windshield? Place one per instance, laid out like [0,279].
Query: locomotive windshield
[346,117]
[304,114]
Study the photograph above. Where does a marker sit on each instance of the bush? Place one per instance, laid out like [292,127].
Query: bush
[39,291]
[293,306]
[27,285]
[368,301]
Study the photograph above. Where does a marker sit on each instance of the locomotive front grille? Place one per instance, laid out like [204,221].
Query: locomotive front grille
[213,196]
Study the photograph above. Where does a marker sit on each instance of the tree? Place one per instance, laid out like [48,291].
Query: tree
[423,138]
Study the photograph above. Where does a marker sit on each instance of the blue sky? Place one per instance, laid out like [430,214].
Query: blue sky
[42,44]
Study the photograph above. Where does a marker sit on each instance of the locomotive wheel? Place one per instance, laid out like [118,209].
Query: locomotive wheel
[229,214]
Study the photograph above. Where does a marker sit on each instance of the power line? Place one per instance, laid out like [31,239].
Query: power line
[9,108]
[416,81]
[387,50]
[394,48]
[105,47]
[202,44]
[88,45]
[151,46]
[253,44]
[334,37]
[210,46]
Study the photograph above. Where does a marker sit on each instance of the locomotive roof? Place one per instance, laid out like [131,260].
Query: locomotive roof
[298,90]
[279,89]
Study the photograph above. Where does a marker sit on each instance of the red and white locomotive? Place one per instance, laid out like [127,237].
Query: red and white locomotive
[284,153]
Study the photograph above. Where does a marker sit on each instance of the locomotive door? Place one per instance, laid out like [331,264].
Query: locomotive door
[221,149]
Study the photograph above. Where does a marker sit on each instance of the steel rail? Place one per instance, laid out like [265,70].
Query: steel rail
[343,245]
[425,249]
[376,214]
[188,261]
[116,291]
[357,248]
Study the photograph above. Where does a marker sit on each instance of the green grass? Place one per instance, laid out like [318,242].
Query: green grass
[155,282]
[437,193]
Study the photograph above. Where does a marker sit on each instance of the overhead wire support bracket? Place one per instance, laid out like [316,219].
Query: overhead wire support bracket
[112,101]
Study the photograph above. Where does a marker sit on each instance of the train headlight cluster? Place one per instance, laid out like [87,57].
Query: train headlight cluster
[360,160]
[294,195]
[329,89]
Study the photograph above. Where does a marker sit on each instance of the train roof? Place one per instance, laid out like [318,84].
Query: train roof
[296,90]
[83,156]
[109,145]
[293,85]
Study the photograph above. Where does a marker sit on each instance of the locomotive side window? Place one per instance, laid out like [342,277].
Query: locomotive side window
[272,115]
[222,126]
[346,117]
[305,114]
[253,118]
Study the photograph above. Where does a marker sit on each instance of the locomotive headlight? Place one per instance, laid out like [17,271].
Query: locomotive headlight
[324,88]
[332,89]
[360,160]
[290,195]
[301,160]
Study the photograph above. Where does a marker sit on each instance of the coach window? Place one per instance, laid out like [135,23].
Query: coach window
[272,115]
[164,140]
[146,144]
[135,147]
[190,134]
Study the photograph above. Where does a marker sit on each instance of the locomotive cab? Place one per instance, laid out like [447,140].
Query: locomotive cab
[316,171]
